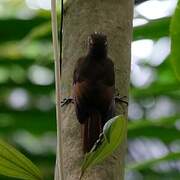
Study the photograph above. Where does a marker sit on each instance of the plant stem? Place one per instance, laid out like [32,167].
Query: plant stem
[59,160]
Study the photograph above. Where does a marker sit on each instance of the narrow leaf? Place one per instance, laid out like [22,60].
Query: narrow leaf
[151,162]
[113,134]
[154,29]
[38,32]
[15,164]
[175,40]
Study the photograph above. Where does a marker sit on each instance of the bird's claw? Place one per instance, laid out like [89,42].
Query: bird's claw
[120,99]
[67,101]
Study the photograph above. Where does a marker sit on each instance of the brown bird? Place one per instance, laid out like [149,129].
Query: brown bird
[93,89]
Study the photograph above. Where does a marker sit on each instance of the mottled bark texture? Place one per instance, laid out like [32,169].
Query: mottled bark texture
[81,18]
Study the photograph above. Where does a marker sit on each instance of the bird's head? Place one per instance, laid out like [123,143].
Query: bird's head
[97,43]
[97,39]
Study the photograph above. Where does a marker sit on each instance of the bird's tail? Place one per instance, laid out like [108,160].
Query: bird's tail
[91,130]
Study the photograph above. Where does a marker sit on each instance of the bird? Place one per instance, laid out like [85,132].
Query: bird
[93,89]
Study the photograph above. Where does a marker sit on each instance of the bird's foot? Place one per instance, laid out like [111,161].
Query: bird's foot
[67,101]
[119,99]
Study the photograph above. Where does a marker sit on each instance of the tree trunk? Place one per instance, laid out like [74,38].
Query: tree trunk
[81,18]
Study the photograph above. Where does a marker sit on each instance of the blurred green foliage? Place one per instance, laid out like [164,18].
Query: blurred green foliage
[175,36]
[27,108]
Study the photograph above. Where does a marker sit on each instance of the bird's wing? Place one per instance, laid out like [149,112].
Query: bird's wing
[77,70]
[79,90]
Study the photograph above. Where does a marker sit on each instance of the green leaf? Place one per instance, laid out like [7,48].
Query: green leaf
[113,135]
[10,28]
[152,30]
[156,89]
[147,164]
[14,164]
[38,32]
[147,123]
[175,40]
[165,134]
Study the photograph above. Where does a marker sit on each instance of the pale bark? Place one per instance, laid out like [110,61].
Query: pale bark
[83,17]
[59,154]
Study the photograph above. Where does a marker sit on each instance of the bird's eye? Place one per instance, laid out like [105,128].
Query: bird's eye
[91,41]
